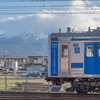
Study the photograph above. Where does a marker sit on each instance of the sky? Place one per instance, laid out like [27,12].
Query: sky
[40,25]
[46,23]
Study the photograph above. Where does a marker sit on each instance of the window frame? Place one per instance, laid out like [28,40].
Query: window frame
[64,47]
[91,51]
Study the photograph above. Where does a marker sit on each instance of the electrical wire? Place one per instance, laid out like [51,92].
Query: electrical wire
[45,6]
[14,10]
[25,13]
[26,43]
[50,8]
[41,0]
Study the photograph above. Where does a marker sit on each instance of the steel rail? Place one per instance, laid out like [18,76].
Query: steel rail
[52,96]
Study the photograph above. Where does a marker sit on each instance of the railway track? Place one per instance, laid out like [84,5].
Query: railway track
[46,96]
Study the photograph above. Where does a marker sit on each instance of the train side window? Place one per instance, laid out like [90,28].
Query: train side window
[64,50]
[89,51]
[99,51]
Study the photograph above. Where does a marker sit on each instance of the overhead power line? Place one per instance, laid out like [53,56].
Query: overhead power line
[26,43]
[45,6]
[41,0]
[38,9]
[22,13]
[53,9]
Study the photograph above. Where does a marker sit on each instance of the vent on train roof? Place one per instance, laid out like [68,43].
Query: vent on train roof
[68,29]
[59,30]
[94,30]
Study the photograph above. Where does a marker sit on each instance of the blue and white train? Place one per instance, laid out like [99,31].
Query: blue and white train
[75,57]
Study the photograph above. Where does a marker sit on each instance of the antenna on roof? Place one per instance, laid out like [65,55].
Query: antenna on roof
[73,30]
[59,30]
[68,29]
[89,29]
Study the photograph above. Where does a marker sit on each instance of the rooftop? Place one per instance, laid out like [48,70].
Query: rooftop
[69,33]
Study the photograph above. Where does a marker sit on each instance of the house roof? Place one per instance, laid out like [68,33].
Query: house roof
[34,56]
[15,57]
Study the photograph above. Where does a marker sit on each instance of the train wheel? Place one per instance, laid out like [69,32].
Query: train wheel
[81,89]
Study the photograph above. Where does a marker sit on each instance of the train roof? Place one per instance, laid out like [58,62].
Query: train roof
[86,34]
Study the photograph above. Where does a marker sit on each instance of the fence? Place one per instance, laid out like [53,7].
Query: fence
[18,83]
[25,84]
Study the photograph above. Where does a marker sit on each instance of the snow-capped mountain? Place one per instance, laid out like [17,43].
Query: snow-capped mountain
[25,44]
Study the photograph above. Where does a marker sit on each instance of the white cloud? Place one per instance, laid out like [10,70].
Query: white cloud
[40,25]
[9,18]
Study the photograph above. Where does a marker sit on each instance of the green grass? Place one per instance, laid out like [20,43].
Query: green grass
[2,88]
[11,80]
[16,79]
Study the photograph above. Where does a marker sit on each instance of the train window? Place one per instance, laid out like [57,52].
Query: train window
[35,58]
[64,50]
[89,51]
[99,51]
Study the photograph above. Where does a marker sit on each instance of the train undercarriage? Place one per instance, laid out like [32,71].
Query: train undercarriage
[80,85]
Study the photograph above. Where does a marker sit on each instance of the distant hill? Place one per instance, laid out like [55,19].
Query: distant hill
[24,44]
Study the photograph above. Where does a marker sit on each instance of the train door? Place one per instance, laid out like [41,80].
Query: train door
[64,58]
[92,59]
[98,58]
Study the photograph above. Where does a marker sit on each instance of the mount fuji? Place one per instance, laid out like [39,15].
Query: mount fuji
[24,44]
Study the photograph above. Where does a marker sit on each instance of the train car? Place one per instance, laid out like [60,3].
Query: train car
[74,57]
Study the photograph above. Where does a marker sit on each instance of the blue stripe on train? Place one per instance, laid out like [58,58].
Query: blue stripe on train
[54,58]
[76,65]
[87,39]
